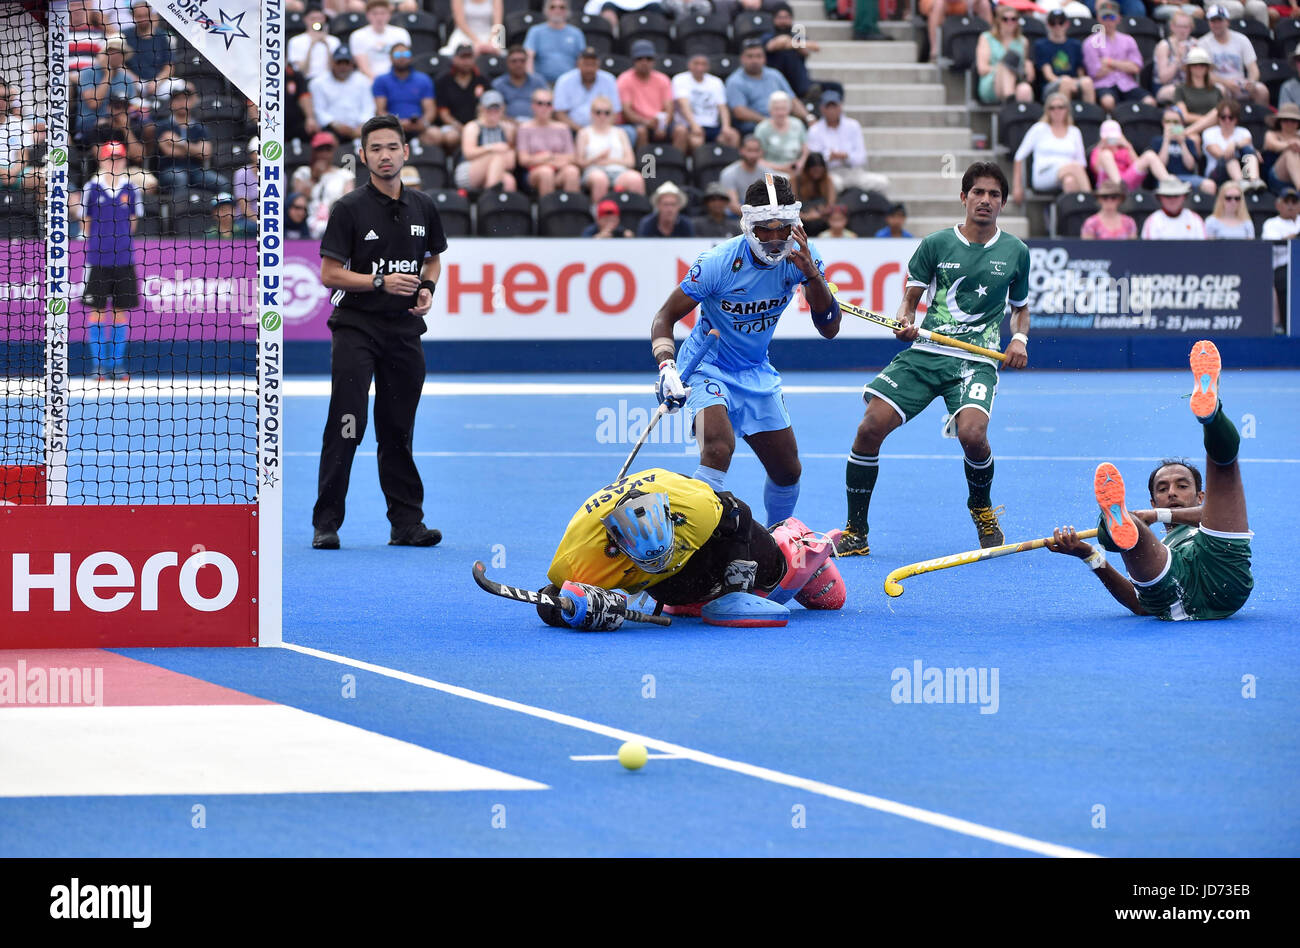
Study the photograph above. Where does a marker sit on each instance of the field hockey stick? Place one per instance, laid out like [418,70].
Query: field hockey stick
[691,365]
[894,587]
[939,338]
[536,597]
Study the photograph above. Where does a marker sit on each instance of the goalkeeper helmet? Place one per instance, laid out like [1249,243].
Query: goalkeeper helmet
[641,526]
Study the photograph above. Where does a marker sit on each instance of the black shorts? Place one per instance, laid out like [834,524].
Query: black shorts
[118,282]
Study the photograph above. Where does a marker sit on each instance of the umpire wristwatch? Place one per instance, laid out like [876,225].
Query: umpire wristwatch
[378,281]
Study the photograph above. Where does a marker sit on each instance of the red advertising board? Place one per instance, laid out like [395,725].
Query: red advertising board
[128,576]
[22,483]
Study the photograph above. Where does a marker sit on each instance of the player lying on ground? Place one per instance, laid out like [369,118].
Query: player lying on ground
[742,287]
[686,545]
[1201,570]
[968,274]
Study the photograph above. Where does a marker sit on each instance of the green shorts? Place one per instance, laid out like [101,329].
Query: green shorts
[1206,578]
[915,378]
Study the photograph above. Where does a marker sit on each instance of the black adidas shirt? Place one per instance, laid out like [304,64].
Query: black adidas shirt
[369,232]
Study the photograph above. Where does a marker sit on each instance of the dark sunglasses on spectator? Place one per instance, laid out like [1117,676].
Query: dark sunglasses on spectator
[1232,197]
[1227,117]
[1053,108]
[401,55]
[1110,16]
[541,101]
[1109,197]
[1009,19]
[602,112]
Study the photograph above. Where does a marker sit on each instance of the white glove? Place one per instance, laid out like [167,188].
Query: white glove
[670,391]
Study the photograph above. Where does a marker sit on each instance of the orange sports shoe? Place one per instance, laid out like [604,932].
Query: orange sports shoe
[1206,364]
[1109,489]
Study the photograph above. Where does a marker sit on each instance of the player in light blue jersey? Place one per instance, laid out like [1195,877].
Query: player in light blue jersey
[742,287]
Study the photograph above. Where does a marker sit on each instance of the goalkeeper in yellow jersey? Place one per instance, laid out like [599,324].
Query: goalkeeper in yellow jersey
[692,549]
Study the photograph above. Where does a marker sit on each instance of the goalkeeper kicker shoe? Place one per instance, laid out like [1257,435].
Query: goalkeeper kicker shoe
[987,526]
[848,543]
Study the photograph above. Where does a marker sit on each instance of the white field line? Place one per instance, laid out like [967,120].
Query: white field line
[928,817]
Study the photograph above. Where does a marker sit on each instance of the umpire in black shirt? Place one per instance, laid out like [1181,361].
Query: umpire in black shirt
[380,256]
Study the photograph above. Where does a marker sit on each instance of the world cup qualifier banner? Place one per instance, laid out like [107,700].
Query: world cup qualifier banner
[1151,287]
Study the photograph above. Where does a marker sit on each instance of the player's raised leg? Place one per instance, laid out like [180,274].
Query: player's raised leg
[1224,510]
[972,432]
[1144,555]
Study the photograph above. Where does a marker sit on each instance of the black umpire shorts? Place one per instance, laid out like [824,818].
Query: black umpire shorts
[118,282]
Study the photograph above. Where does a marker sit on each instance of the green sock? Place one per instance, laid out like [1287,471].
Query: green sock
[1222,440]
[979,478]
[859,481]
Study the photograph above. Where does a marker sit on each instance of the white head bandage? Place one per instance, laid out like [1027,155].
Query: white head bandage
[772,214]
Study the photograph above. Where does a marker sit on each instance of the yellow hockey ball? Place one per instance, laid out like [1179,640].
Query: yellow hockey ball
[632,755]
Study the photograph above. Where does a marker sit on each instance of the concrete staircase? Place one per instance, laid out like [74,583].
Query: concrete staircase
[912,133]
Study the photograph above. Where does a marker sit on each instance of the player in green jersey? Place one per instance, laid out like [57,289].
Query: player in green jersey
[1201,569]
[967,274]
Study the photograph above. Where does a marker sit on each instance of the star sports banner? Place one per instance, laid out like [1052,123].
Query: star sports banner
[226,32]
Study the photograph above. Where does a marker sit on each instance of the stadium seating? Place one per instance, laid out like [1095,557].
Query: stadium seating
[644,26]
[701,34]
[1274,72]
[426,36]
[432,164]
[631,207]
[1140,123]
[1014,122]
[708,160]
[504,214]
[229,154]
[19,216]
[453,210]
[616,64]
[491,65]
[1261,206]
[344,24]
[1034,29]
[668,164]
[518,23]
[563,214]
[432,65]
[1286,34]
[723,65]
[152,223]
[1088,118]
[599,34]
[867,210]
[190,213]
[1254,118]
[1140,205]
[1200,202]
[958,37]
[1069,211]
[750,24]
[1257,33]
[670,64]
[293,24]
[1081,27]
[1145,32]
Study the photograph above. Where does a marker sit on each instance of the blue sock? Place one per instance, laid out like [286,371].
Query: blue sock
[711,476]
[779,501]
[94,337]
[120,332]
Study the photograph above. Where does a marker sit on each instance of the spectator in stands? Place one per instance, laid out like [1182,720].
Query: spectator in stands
[611,10]
[246,202]
[1235,65]
[1282,147]
[457,92]
[119,127]
[1115,159]
[716,221]
[1058,62]
[740,174]
[152,45]
[605,154]
[481,23]
[322,181]
[1230,220]
[408,94]
[184,148]
[838,139]
[1255,9]
[225,225]
[1280,229]
[518,86]
[1056,146]
[1108,223]
[299,113]
[784,138]
[487,147]
[374,42]
[311,50]
[1113,61]
[1002,61]
[295,218]
[553,47]
[895,223]
[837,222]
[749,88]
[108,74]
[1229,149]
[1197,99]
[787,55]
[1290,91]
[545,149]
[1173,221]
[813,189]
[1178,152]
[646,95]
[934,12]
[342,99]
[866,19]
[667,219]
[577,90]
[607,223]
[702,112]
[1170,57]
[86,34]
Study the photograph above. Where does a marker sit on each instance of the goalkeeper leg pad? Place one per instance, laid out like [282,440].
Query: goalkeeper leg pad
[745,610]
[825,588]
[804,554]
